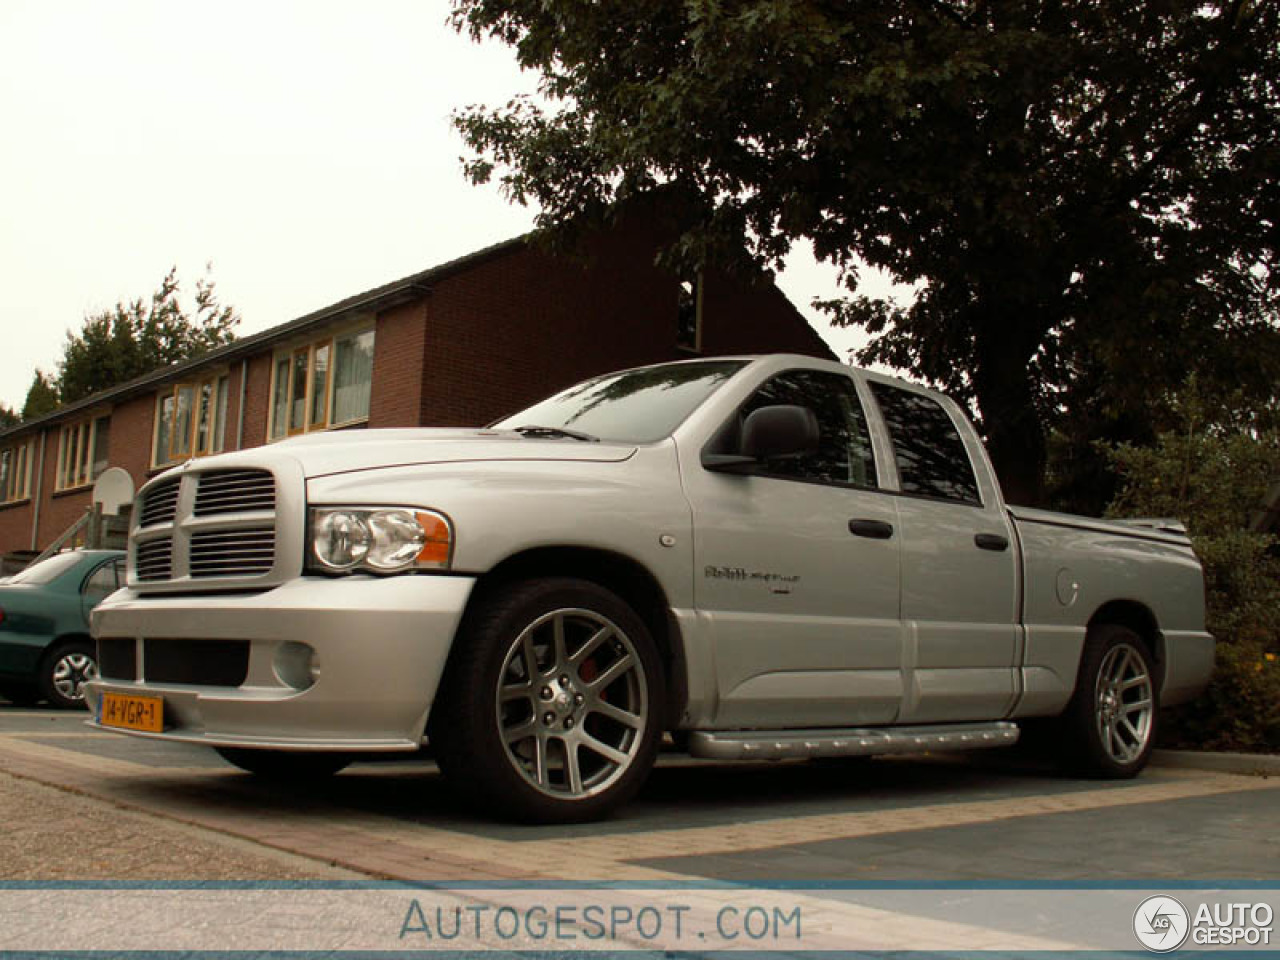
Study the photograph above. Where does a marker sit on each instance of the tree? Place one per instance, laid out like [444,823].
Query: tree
[134,338]
[8,417]
[1084,194]
[42,396]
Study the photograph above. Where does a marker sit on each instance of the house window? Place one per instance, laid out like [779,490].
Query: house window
[15,472]
[689,315]
[82,452]
[322,384]
[191,420]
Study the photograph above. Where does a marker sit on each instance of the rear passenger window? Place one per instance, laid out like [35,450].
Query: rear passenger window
[844,448]
[932,460]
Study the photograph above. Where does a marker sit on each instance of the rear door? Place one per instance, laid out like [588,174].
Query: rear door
[796,570]
[959,567]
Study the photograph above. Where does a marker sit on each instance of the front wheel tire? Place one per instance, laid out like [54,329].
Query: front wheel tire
[1111,721]
[550,709]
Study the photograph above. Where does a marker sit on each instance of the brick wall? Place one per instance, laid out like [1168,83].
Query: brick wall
[524,324]
[257,402]
[398,364]
[16,518]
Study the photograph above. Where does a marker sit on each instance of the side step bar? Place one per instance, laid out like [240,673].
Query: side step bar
[787,744]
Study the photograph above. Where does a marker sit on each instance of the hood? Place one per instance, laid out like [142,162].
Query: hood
[343,451]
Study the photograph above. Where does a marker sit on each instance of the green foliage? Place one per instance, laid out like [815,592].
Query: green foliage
[1240,710]
[1215,477]
[42,396]
[7,416]
[1084,194]
[134,338]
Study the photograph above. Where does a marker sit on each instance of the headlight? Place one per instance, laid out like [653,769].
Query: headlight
[379,539]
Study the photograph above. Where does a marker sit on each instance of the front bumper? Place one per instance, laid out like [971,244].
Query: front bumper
[377,649]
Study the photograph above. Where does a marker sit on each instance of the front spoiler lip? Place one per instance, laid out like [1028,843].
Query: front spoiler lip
[270,743]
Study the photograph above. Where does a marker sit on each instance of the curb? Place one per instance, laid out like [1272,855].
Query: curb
[1246,764]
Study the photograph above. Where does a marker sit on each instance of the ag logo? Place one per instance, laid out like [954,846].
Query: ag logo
[1161,924]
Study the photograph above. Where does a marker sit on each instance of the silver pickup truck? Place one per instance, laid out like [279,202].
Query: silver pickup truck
[765,558]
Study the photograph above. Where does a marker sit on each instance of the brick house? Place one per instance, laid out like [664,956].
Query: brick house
[460,344]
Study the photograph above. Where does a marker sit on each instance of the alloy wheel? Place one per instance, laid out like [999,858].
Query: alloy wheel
[572,703]
[1124,703]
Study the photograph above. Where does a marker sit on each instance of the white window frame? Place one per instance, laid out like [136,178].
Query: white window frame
[16,487]
[77,444]
[286,363]
[206,432]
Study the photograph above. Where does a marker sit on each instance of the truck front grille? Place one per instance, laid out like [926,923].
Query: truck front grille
[233,553]
[206,528]
[154,560]
[234,491]
[118,658]
[160,504]
[215,663]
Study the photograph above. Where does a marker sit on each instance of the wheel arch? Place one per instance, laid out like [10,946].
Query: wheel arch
[634,583]
[62,639]
[1139,618]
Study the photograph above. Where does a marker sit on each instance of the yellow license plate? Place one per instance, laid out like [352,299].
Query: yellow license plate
[129,712]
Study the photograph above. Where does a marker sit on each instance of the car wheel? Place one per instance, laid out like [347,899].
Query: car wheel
[284,764]
[64,671]
[550,709]
[1111,720]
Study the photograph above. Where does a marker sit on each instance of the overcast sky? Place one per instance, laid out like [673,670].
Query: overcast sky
[301,148]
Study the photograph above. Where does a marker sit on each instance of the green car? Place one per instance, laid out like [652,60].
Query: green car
[45,649]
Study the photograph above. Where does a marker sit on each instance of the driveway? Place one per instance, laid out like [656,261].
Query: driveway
[972,818]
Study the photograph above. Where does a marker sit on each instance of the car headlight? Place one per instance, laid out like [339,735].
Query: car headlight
[379,539]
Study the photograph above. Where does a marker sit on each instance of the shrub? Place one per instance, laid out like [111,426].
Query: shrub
[1214,478]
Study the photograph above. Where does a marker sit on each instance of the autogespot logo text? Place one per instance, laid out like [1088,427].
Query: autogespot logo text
[1161,924]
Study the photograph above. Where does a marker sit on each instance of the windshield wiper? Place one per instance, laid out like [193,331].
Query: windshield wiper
[535,431]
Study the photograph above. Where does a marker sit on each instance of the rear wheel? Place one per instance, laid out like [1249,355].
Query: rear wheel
[64,670]
[1111,720]
[550,708]
[284,764]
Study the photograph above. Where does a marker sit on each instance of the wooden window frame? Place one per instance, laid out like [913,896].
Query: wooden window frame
[213,427]
[285,360]
[77,444]
[18,480]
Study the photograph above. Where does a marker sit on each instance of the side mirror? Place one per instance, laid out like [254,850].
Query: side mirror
[769,433]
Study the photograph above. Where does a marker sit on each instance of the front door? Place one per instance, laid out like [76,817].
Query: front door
[796,570]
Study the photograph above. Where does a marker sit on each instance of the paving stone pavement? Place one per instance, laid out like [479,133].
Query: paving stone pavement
[132,805]
[55,834]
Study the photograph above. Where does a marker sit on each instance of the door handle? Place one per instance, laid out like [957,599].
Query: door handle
[871,529]
[991,541]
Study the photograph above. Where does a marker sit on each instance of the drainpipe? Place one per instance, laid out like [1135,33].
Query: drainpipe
[244,386]
[35,512]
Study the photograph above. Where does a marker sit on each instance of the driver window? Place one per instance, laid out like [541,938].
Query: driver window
[844,453]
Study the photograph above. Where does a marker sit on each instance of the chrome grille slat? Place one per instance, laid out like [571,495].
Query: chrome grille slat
[234,491]
[155,560]
[160,504]
[225,553]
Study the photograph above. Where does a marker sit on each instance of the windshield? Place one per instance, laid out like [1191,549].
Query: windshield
[47,570]
[635,406]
